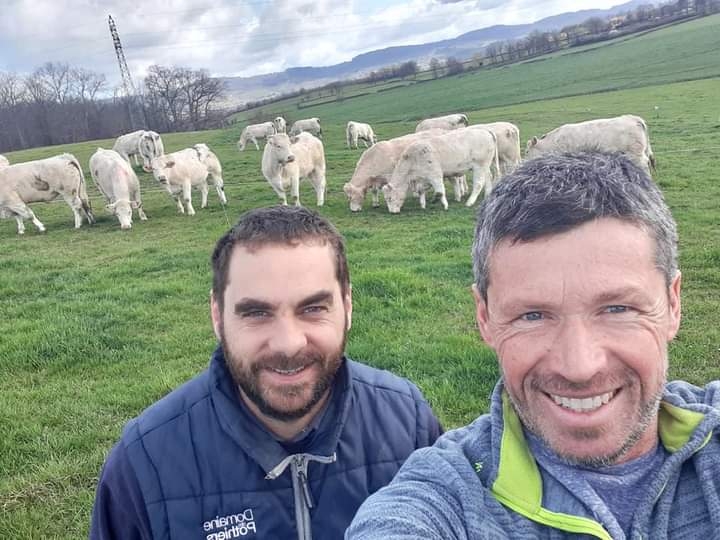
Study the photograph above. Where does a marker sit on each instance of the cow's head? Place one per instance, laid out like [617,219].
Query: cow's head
[280,147]
[161,168]
[531,149]
[355,195]
[394,198]
[123,210]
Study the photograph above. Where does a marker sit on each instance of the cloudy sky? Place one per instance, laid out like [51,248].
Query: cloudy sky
[241,38]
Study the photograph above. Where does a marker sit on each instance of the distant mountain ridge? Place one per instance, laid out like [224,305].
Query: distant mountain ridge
[463,47]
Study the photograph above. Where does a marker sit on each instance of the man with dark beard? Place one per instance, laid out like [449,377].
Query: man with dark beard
[282,436]
[577,290]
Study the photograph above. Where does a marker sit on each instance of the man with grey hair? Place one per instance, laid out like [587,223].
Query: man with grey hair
[577,290]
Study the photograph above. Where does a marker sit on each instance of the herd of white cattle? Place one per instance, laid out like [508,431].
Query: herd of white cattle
[445,147]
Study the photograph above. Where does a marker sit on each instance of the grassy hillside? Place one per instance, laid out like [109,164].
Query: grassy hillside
[686,51]
[98,323]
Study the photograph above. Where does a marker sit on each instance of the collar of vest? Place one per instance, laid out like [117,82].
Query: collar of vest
[254,439]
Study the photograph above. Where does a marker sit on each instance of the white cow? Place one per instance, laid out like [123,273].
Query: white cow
[253,132]
[146,144]
[627,134]
[355,131]
[508,143]
[40,181]
[286,160]
[376,165]
[280,125]
[450,121]
[424,163]
[4,161]
[179,172]
[119,184]
[311,125]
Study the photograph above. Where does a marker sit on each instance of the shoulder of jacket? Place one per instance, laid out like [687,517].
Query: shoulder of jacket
[169,408]
[374,379]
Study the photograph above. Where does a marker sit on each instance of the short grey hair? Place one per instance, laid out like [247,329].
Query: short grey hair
[558,192]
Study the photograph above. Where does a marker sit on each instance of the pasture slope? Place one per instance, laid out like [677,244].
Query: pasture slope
[98,323]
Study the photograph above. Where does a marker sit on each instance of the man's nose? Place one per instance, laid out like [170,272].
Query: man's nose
[580,353]
[288,336]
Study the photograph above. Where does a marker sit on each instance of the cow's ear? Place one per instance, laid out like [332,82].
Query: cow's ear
[293,139]
[387,189]
[533,141]
[135,204]
[170,164]
[349,189]
[110,207]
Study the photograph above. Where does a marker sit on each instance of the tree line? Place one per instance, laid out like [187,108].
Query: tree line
[61,104]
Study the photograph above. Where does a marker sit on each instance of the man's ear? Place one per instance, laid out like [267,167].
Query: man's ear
[481,314]
[347,301]
[215,315]
[675,306]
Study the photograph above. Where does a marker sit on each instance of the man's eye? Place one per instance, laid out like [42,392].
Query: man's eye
[255,314]
[617,309]
[315,309]
[531,316]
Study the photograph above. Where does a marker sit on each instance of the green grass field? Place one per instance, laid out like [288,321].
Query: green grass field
[98,323]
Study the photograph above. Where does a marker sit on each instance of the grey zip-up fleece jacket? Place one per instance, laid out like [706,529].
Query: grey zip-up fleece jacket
[481,482]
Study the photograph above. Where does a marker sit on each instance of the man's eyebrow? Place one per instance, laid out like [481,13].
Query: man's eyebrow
[246,305]
[320,297]
[621,293]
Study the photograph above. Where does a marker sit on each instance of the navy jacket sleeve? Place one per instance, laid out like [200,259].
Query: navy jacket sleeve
[428,426]
[119,512]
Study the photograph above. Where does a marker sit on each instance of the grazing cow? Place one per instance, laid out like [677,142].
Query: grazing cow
[355,131]
[119,184]
[146,144]
[311,125]
[179,172]
[253,132]
[450,121]
[376,165]
[286,160]
[40,181]
[627,134]
[280,125]
[508,143]
[424,163]
[4,161]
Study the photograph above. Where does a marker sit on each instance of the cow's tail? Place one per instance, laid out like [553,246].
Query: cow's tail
[82,190]
[347,135]
[648,149]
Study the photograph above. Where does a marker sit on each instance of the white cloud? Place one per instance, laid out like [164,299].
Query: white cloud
[231,38]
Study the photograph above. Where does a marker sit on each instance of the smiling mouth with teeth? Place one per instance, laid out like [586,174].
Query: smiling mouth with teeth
[289,371]
[587,404]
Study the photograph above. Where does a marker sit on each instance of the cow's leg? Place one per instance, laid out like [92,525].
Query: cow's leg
[375,190]
[203,195]
[141,212]
[421,194]
[488,181]
[319,184]
[478,184]
[295,189]
[437,183]
[279,190]
[178,200]
[136,159]
[76,205]
[187,198]
[20,211]
[20,224]
[254,140]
